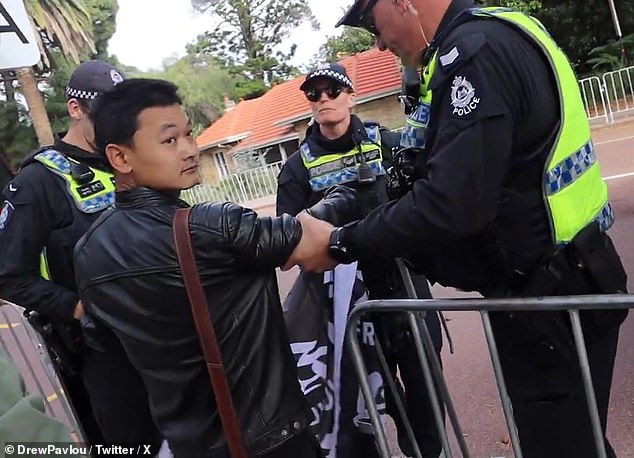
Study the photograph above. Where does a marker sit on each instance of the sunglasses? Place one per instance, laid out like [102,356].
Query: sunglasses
[366,20]
[314,94]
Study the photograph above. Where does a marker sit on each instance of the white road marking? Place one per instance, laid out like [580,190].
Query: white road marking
[621,175]
[615,140]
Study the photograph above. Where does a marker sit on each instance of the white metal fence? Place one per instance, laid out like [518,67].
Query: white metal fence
[239,187]
[609,96]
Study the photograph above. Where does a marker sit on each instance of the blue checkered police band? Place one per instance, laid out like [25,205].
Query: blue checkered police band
[414,134]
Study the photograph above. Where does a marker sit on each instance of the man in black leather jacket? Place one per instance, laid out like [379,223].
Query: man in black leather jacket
[130,280]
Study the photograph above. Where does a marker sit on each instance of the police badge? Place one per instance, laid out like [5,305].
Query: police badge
[463,97]
[5,214]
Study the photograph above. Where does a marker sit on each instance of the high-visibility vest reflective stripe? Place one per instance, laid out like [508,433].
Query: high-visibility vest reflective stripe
[90,198]
[572,186]
[414,134]
[44,270]
[333,169]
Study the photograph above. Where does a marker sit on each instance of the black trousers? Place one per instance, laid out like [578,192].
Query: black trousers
[118,399]
[544,381]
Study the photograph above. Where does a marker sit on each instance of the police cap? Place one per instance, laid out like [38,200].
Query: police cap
[356,16]
[91,79]
[334,72]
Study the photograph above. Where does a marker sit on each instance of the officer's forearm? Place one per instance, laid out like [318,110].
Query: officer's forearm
[34,293]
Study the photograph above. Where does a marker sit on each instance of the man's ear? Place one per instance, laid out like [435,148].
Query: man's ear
[118,157]
[352,100]
[74,110]
[405,7]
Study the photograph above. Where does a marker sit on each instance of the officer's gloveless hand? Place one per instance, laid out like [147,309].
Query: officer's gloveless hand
[339,206]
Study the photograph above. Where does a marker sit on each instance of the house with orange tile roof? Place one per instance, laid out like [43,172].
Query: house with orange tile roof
[268,129]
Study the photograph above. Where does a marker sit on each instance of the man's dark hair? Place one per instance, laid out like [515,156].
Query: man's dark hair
[115,113]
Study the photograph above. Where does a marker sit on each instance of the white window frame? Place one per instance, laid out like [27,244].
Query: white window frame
[221,164]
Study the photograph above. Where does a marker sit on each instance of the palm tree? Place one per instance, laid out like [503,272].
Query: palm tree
[65,24]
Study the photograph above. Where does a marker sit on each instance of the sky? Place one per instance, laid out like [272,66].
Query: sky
[149,31]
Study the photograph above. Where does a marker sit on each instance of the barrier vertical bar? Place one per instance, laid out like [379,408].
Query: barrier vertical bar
[588,387]
[397,397]
[434,365]
[362,369]
[499,376]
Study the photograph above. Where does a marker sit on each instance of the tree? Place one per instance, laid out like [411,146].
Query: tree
[248,35]
[608,57]
[103,14]
[60,24]
[202,84]
[352,40]
[577,26]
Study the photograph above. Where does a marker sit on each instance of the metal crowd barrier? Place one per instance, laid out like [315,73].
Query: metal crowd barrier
[594,99]
[27,351]
[432,369]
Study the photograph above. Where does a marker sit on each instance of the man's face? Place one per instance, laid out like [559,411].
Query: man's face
[395,28]
[79,112]
[330,101]
[164,155]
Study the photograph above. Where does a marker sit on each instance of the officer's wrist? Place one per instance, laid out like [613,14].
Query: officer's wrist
[338,246]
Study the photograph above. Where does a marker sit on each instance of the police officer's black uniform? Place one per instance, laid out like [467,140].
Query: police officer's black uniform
[295,194]
[38,213]
[483,166]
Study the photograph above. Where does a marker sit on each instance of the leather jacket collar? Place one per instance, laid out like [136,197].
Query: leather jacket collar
[143,197]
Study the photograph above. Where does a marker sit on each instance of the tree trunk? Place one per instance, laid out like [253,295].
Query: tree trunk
[39,117]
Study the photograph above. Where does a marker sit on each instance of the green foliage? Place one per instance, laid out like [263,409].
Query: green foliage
[527,6]
[202,84]
[103,14]
[17,137]
[247,36]
[578,27]
[352,40]
[63,25]
[609,57]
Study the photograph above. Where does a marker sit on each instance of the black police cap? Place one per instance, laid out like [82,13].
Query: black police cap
[93,78]
[353,17]
[335,72]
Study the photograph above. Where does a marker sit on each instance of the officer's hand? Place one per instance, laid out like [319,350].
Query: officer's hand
[311,253]
[79,311]
[339,206]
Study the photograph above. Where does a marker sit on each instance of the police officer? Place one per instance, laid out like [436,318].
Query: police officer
[340,149]
[59,191]
[509,201]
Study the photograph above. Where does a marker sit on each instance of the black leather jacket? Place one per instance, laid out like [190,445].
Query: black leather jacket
[129,279]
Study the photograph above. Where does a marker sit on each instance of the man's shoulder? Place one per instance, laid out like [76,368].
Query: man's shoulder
[100,229]
[33,180]
[471,36]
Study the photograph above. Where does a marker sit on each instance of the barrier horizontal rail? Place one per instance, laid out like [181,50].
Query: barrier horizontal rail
[572,304]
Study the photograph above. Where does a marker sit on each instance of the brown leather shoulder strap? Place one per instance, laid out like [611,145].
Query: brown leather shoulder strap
[207,334]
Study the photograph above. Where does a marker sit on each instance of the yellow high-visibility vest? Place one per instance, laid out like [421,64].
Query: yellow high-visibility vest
[572,186]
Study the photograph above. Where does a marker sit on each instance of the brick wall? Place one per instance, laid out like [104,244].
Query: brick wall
[386,111]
